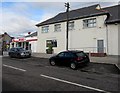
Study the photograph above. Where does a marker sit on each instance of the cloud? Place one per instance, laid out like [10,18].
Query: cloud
[21,17]
[17,18]
[59,0]
[17,24]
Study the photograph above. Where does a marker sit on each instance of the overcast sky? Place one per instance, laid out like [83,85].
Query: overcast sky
[19,18]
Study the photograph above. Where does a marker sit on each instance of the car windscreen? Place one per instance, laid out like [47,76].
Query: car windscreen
[80,54]
[20,49]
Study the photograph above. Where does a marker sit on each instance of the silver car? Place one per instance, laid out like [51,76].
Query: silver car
[19,52]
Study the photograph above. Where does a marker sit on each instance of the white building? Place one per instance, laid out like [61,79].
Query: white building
[28,42]
[90,30]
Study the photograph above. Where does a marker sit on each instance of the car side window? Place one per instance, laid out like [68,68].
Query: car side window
[69,55]
[61,54]
[12,49]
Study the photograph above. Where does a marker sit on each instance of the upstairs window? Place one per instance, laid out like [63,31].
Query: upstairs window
[89,23]
[71,25]
[57,27]
[45,29]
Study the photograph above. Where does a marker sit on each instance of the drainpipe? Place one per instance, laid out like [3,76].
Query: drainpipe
[107,40]
[107,50]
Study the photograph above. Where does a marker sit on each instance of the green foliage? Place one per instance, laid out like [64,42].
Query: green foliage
[50,49]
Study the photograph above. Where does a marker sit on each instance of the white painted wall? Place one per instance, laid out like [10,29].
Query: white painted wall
[59,36]
[33,46]
[80,38]
[113,39]
[86,38]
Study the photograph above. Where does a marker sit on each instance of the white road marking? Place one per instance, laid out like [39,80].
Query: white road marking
[14,68]
[76,84]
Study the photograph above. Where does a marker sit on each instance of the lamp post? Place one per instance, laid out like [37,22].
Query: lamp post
[67,23]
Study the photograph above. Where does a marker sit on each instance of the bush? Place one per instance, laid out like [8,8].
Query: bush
[49,50]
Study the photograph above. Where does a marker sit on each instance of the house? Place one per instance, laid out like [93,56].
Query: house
[90,30]
[32,38]
[5,40]
[28,42]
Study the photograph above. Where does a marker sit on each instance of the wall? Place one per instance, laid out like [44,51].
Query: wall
[113,39]
[59,36]
[86,38]
[33,46]
[81,38]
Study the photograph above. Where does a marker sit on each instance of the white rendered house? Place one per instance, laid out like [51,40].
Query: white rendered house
[90,30]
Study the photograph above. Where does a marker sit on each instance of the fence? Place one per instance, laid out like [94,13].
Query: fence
[92,50]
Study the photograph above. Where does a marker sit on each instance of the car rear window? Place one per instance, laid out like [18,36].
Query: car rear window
[80,54]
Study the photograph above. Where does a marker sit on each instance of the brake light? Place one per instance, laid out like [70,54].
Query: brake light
[79,58]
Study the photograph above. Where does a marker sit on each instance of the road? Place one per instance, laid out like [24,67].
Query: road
[35,74]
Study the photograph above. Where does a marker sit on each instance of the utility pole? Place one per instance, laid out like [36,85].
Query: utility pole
[67,23]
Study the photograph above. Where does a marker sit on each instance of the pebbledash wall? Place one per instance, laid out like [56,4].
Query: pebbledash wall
[81,38]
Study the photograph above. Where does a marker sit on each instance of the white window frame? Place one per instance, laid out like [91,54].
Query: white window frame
[45,29]
[71,25]
[57,27]
[89,23]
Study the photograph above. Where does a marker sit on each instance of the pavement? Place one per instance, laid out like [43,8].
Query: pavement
[106,60]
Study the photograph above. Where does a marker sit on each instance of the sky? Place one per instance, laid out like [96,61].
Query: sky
[18,17]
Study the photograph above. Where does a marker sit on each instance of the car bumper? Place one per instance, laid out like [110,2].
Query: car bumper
[86,61]
[28,55]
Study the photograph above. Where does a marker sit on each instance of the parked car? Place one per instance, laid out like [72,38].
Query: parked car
[19,52]
[71,58]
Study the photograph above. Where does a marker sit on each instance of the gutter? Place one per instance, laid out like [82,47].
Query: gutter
[70,19]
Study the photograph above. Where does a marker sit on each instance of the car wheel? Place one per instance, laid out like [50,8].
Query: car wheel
[73,66]
[10,55]
[52,63]
[29,55]
[19,56]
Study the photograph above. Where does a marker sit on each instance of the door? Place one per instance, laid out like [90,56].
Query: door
[68,58]
[100,46]
[60,58]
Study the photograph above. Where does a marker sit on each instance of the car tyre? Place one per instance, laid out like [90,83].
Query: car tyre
[10,55]
[19,56]
[52,63]
[29,56]
[73,66]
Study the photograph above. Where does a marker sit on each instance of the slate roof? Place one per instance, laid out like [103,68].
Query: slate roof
[114,12]
[84,13]
[31,35]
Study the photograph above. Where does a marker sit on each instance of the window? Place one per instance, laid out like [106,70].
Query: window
[61,54]
[69,55]
[71,25]
[51,42]
[57,27]
[45,29]
[80,54]
[89,23]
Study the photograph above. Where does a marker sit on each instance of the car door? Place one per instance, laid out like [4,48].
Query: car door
[68,58]
[12,52]
[60,58]
[16,52]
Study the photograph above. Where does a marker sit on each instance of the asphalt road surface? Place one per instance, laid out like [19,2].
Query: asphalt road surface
[35,74]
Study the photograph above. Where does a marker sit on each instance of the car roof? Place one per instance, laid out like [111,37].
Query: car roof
[16,47]
[73,51]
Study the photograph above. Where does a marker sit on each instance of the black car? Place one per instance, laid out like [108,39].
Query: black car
[71,58]
[19,52]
